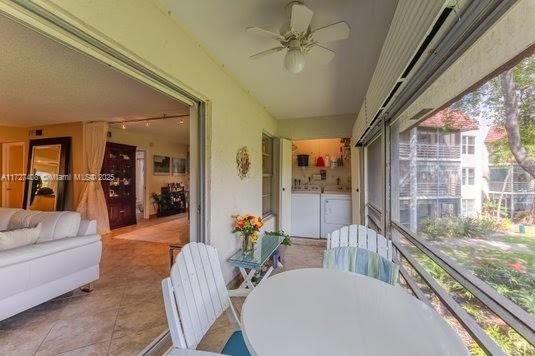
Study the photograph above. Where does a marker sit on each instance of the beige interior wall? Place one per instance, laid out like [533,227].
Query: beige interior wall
[153,145]
[12,134]
[315,148]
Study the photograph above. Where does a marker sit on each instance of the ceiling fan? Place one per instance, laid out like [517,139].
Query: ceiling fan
[300,40]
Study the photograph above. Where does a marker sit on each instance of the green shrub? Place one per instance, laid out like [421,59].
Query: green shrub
[515,285]
[509,340]
[471,227]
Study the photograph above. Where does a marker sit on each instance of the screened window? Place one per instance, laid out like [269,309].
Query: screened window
[469,176]
[478,215]
[267,175]
[469,145]
[375,174]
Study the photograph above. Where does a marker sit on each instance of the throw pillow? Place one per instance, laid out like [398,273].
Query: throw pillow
[17,238]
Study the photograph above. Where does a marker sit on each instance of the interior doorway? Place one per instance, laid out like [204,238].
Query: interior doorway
[13,158]
[159,179]
[102,63]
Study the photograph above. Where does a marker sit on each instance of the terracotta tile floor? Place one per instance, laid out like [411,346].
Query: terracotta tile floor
[125,311]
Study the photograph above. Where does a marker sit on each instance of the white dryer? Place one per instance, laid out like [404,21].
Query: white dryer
[335,209]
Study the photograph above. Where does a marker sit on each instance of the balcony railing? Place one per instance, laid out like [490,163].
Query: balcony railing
[432,189]
[516,187]
[426,151]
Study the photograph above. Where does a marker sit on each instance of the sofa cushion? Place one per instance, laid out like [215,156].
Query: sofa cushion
[21,219]
[17,238]
[87,227]
[55,224]
[30,252]
[5,216]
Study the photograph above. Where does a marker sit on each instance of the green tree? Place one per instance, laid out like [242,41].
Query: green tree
[509,101]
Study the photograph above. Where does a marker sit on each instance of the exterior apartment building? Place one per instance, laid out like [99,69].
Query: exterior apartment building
[440,172]
[509,181]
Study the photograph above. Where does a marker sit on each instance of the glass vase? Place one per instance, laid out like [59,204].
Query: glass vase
[247,243]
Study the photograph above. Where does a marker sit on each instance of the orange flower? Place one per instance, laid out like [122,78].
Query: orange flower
[518,266]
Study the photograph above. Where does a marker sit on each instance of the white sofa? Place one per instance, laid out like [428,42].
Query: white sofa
[66,256]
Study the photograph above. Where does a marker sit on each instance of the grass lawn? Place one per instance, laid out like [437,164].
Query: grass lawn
[471,255]
[504,260]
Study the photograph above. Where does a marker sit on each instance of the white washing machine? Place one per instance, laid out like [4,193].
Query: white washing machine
[306,211]
[335,209]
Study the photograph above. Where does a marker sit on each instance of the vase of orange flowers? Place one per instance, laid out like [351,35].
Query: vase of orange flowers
[249,228]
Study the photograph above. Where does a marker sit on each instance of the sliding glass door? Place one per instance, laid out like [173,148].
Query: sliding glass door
[374,178]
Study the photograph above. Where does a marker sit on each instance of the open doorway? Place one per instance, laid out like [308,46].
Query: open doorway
[60,97]
[157,175]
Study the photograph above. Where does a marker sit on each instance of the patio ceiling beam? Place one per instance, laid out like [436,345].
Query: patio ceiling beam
[516,317]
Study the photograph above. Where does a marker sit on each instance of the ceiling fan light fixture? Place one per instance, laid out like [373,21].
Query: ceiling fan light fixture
[300,40]
[294,61]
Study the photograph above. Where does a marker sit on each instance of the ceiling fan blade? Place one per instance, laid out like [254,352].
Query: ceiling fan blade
[300,17]
[335,32]
[321,54]
[266,52]
[265,33]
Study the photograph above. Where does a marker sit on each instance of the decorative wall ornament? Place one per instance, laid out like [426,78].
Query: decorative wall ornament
[243,162]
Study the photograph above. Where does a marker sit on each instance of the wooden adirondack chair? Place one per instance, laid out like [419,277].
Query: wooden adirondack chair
[195,295]
[360,236]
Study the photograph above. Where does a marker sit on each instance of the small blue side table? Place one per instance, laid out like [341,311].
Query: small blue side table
[251,262]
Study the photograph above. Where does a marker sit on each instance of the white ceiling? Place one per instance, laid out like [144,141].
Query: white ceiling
[167,129]
[337,88]
[45,82]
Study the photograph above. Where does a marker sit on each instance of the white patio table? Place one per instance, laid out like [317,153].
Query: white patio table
[326,312]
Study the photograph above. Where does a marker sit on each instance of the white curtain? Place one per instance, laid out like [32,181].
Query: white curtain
[92,201]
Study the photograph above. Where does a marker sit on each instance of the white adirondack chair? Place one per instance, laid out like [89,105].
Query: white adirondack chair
[195,295]
[360,236]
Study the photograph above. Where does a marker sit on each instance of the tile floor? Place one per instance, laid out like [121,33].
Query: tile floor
[125,311]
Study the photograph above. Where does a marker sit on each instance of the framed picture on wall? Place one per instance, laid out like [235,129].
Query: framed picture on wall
[178,165]
[162,165]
